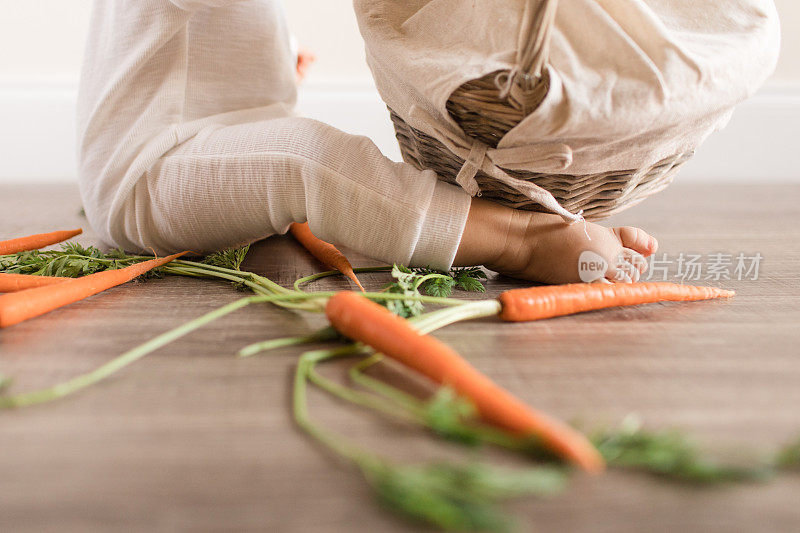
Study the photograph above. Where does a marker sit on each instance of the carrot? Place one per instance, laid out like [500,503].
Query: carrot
[365,321]
[30,303]
[535,303]
[34,242]
[325,252]
[21,282]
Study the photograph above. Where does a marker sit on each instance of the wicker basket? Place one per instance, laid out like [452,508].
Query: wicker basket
[487,108]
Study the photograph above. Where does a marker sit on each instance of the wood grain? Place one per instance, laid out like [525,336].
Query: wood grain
[193,439]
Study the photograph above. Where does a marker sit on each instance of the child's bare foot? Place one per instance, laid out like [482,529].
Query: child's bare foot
[542,247]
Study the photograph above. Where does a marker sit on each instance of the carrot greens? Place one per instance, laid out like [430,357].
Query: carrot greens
[76,261]
[231,259]
[411,282]
[442,283]
[322,335]
[72,261]
[5,382]
[321,275]
[669,454]
[451,496]
[788,458]
[83,381]
[454,496]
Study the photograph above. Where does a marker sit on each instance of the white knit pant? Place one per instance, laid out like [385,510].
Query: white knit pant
[187,143]
[231,185]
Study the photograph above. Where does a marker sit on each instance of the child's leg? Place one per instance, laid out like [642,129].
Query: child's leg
[164,167]
[154,78]
[236,184]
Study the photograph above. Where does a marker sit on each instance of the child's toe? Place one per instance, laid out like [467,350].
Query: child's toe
[636,239]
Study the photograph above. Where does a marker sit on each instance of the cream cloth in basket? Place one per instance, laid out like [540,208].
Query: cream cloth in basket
[632,82]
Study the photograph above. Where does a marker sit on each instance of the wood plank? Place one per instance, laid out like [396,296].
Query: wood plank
[193,439]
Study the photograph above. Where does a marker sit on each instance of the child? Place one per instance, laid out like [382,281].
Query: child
[188,141]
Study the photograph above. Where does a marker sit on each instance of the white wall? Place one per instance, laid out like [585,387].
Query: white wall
[42,45]
[42,40]
[789,66]
[333,33]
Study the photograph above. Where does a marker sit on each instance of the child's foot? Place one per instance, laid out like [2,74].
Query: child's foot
[542,247]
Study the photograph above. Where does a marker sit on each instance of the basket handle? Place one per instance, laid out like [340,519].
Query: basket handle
[533,46]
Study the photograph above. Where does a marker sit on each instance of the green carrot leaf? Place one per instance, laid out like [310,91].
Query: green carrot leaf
[469,279]
[432,282]
[496,483]
[405,284]
[459,497]
[669,454]
[423,495]
[472,272]
[448,415]
[72,261]
[5,382]
[232,258]
[789,457]
[439,287]
[470,284]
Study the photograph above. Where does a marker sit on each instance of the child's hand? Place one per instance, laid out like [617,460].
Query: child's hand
[542,247]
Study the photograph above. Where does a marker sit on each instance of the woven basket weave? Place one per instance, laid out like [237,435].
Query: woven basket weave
[489,107]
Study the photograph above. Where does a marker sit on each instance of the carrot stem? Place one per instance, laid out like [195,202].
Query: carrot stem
[34,242]
[247,279]
[81,382]
[325,334]
[131,356]
[265,282]
[301,414]
[314,277]
[364,321]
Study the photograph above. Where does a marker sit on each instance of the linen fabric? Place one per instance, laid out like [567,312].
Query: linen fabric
[188,141]
[632,82]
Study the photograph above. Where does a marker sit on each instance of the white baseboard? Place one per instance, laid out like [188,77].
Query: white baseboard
[37,131]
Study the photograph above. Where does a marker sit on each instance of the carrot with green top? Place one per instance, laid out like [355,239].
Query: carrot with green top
[20,306]
[21,282]
[34,242]
[365,321]
[536,303]
[324,252]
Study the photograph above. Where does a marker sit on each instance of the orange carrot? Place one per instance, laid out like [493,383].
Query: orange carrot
[30,303]
[21,282]
[365,321]
[325,252]
[34,242]
[536,303]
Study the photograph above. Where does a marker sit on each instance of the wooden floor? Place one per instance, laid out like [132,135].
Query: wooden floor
[193,439]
